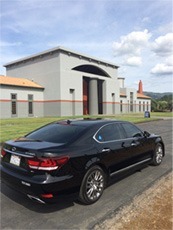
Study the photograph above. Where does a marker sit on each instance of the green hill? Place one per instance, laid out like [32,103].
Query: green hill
[157,96]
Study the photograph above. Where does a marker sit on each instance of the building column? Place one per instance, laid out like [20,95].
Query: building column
[93,96]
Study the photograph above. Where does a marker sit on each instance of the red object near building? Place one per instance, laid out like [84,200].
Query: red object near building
[140,88]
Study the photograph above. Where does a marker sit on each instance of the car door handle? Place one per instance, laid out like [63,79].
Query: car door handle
[105,150]
[125,145]
[133,144]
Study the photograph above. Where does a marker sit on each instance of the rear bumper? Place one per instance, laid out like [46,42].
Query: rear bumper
[20,184]
[58,186]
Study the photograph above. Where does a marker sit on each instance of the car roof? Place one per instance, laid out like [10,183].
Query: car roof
[89,122]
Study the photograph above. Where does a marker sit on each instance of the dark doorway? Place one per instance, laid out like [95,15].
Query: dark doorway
[85,96]
[100,96]
[86,101]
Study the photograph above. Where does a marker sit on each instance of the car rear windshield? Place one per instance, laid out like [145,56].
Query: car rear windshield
[56,133]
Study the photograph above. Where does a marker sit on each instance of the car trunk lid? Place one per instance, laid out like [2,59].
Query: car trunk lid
[26,156]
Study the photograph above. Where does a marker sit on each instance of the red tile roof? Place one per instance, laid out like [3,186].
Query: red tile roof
[22,82]
[139,95]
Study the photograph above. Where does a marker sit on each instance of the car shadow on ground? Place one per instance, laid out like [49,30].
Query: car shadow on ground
[63,202]
[21,199]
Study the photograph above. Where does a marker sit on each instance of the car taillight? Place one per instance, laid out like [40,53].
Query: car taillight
[3,152]
[49,195]
[47,164]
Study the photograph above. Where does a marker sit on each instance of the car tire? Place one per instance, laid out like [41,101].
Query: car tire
[158,155]
[92,185]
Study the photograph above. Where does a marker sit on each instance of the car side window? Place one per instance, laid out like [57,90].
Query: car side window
[131,130]
[108,133]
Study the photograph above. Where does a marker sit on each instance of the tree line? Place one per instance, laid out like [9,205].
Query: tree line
[162,104]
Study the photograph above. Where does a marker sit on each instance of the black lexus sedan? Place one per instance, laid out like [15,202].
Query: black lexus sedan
[76,156]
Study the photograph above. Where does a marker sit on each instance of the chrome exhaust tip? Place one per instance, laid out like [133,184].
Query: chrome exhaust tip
[34,198]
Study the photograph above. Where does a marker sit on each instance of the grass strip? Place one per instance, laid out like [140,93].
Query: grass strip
[16,127]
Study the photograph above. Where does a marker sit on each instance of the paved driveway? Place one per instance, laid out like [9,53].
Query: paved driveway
[17,212]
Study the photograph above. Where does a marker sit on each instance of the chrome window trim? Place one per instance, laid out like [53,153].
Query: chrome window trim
[94,137]
[103,142]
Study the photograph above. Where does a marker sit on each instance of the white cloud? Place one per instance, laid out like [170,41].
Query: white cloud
[162,69]
[163,45]
[131,46]
[163,48]
[169,60]
[133,61]
[132,43]
[164,29]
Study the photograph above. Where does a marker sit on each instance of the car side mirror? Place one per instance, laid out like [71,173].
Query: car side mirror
[146,134]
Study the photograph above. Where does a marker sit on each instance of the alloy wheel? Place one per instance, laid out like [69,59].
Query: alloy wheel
[94,185]
[159,154]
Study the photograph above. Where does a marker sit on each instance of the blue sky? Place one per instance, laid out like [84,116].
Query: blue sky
[136,35]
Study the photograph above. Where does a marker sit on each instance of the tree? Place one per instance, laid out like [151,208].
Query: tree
[162,105]
[170,106]
[153,105]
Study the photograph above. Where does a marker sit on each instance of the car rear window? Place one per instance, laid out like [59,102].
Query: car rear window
[56,133]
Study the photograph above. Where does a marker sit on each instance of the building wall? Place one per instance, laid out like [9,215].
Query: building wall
[21,102]
[129,103]
[111,92]
[63,93]
[44,70]
[143,105]
[71,85]
[72,82]
[138,104]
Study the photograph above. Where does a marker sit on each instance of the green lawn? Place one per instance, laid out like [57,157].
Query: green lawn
[162,114]
[16,127]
